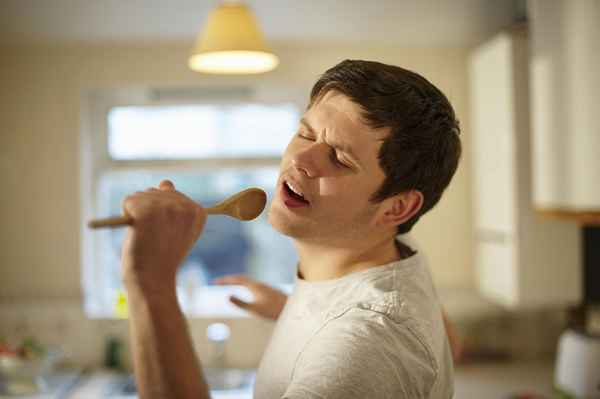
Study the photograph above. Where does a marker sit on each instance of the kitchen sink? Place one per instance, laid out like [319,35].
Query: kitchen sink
[218,380]
[229,379]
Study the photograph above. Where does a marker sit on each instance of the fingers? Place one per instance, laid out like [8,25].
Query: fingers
[236,279]
[241,304]
[134,200]
[166,185]
[126,205]
[454,339]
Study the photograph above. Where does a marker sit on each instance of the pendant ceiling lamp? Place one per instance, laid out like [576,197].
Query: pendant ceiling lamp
[232,43]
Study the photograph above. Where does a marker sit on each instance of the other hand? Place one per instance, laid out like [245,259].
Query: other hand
[166,224]
[268,301]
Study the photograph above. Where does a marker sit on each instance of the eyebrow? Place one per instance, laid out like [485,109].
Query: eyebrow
[339,146]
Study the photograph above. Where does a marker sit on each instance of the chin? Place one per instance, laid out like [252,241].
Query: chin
[278,221]
[282,223]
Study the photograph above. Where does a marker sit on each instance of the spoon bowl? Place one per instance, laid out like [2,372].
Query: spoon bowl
[245,205]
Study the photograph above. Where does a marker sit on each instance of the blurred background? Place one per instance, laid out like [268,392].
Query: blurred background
[99,100]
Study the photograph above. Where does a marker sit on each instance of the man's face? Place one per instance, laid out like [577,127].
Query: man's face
[332,162]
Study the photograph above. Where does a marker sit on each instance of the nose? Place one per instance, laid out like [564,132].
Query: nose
[309,161]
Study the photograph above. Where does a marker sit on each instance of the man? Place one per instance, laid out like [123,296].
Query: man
[374,151]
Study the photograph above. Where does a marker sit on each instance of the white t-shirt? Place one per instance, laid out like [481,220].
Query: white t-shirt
[374,334]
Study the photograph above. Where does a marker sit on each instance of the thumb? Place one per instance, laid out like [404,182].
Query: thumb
[166,185]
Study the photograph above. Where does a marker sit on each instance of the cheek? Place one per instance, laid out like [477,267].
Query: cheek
[345,191]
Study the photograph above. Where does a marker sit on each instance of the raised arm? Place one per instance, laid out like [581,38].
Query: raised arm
[166,226]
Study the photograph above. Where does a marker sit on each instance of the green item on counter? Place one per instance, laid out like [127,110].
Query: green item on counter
[113,357]
[31,348]
[560,394]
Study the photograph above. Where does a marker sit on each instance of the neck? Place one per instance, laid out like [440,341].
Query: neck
[322,262]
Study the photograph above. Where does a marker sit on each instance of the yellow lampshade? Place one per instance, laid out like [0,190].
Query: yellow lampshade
[232,43]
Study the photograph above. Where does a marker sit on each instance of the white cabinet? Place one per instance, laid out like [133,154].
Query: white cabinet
[565,93]
[520,259]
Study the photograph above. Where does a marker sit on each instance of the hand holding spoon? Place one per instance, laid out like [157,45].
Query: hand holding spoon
[245,205]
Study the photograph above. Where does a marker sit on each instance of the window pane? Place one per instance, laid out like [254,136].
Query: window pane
[200,131]
[227,245]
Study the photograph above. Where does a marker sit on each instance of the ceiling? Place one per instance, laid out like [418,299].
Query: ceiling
[413,23]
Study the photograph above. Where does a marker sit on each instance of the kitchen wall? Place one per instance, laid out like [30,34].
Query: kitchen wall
[40,115]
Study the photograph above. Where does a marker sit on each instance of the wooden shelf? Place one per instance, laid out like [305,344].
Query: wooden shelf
[585,217]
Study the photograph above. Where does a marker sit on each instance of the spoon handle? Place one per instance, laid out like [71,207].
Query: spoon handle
[117,221]
[215,210]
[114,221]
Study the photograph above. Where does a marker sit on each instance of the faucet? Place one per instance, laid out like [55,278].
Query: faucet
[218,334]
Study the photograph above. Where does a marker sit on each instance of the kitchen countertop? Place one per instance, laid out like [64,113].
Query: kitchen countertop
[99,383]
[57,386]
[504,380]
[490,381]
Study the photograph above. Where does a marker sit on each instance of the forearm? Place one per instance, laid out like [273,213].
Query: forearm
[165,363]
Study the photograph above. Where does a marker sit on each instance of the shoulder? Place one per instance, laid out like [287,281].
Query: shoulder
[363,352]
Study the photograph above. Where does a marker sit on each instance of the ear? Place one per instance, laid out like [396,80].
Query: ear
[400,208]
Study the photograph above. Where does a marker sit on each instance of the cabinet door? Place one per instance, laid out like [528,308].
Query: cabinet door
[493,132]
[565,83]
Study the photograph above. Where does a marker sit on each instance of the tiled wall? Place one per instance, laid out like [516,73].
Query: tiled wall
[63,324]
[522,335]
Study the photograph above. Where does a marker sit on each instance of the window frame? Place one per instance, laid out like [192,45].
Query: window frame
[95,159]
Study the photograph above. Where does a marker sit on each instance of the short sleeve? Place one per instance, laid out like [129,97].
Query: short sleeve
[364,354]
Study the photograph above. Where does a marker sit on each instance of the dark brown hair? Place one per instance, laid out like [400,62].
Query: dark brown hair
[423,148]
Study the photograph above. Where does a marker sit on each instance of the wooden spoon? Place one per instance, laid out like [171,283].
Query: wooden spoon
[245,205]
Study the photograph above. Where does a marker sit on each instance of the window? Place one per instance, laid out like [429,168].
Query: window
[210,150]
[200,131]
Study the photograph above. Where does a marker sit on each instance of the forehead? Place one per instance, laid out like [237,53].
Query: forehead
[336,113]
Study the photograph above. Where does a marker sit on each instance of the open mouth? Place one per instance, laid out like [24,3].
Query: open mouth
[294,196]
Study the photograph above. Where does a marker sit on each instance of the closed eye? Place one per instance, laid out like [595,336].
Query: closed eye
[336,160]
[332,155]
[305,137]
